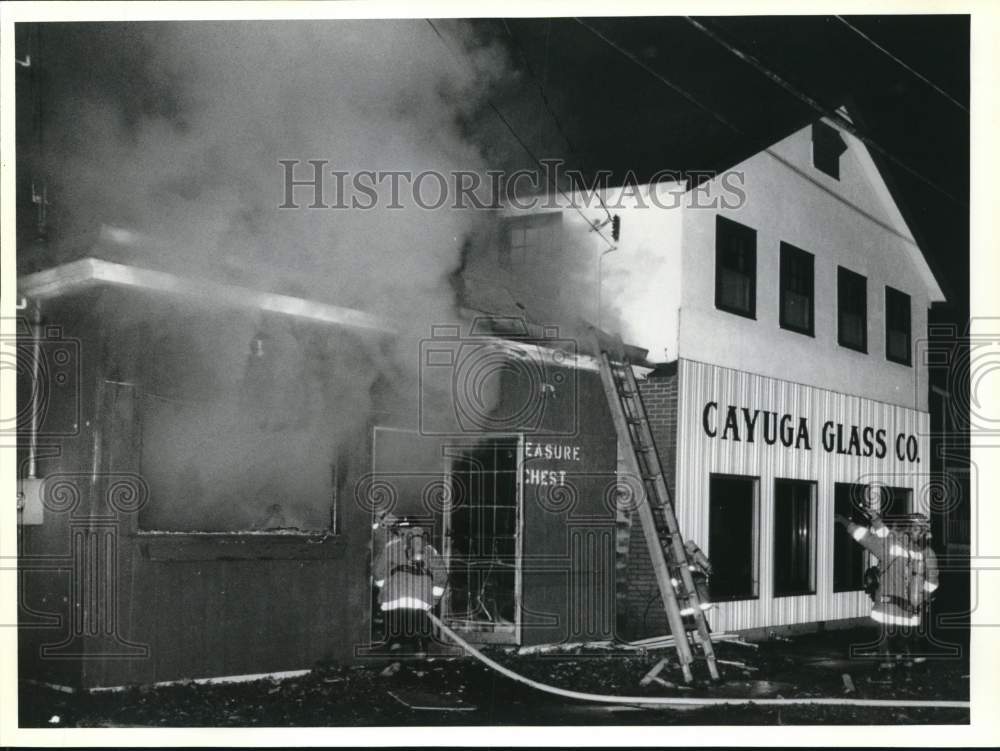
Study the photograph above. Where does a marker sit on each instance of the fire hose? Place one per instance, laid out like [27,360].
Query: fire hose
[683,700]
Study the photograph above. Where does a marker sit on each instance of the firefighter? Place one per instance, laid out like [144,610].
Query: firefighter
[924,580]
[410,577]
[700,568]
[893,605]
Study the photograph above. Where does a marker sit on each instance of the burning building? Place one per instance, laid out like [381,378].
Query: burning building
[208,436]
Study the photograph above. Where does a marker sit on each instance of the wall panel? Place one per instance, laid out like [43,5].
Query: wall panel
[699,456]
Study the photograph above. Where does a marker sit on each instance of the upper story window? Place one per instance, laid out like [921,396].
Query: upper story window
[827,146]
[526,239]
[796,289]
[897,326]
[852,310]
[735,267]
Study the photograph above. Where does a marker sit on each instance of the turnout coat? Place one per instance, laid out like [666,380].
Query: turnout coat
[908,574]
[406,580]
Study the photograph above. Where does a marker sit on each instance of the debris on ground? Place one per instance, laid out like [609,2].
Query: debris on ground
[427,701]
[848,683]
[391,669]
[359,695]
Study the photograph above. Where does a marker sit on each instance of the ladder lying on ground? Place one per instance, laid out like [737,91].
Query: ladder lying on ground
[655,507]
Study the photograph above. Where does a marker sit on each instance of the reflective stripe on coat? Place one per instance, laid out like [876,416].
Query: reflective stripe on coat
[894,601]
[407,584]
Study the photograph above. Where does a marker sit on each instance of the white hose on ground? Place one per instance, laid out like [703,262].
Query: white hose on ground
[683,700]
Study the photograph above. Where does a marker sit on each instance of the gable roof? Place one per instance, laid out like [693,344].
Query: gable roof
[893,220]
[890,205]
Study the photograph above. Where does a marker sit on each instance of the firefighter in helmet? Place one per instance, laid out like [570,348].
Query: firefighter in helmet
[410,577]
[900,585]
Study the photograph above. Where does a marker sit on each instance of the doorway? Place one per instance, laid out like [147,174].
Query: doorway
[482,538]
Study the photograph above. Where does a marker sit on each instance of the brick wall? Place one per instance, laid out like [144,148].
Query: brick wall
[640,609]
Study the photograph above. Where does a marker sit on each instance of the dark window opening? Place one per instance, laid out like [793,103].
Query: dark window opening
[794,532]
[848,556]
[235,420]
[482,532]
[528,240]
[827,147]
[732,537]
[897,326]
[895,502]
[852,310]
[796,289]
[735,267]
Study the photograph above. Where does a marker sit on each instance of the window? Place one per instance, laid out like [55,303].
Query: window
[794,533]
[848,557]
[897,326]
[852,310]
[895,501]
[481,532]
[827,146]
[526,239]
[735,267]
[796,289]
[242,426]
[732,537]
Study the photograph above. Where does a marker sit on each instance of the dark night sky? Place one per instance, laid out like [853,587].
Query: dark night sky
[604,111]
[614,115]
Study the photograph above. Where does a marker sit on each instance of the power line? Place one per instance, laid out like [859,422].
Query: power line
[660,77]
[538,84]
[818,107]
[520,141]
[916,73]
[843,122]
[547,104]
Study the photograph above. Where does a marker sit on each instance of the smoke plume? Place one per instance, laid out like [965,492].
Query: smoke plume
[176,131]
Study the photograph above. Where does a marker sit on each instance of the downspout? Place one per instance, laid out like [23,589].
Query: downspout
[35,329]
[600,286]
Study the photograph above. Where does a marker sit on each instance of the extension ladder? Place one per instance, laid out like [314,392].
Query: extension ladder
[655,507]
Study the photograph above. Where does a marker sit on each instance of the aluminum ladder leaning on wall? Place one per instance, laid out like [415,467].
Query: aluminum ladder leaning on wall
[654,505]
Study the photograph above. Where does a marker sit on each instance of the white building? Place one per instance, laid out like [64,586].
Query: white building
[785,300]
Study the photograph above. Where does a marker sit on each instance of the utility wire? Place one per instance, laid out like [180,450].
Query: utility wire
[843,122]
[818,107]
[660,77]
[538,84]
[527,149]
[902,64]
[547,104]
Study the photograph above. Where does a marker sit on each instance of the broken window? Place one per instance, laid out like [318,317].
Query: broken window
[848,556]
[897,326]
[530,240]
[732,537]
[852,310]
[794,533]
[735,267]
[796,289]
[482,536]
[243,426]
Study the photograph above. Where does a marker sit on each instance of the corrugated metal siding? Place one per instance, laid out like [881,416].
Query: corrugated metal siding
[698,456]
